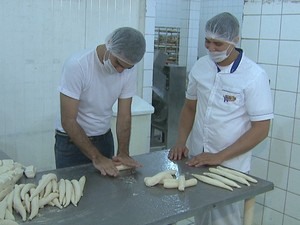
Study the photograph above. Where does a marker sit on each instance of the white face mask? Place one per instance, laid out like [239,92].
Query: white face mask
[108,66]
[219,56]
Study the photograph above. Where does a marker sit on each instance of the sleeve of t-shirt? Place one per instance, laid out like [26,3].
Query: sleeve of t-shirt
[191,92]
[129,85]
[72,79]
[259,98]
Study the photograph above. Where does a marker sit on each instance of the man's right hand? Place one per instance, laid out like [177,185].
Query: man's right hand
[177,152]
[105,166]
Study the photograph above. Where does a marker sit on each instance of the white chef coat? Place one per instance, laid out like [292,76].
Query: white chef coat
[228,99]
[84,78]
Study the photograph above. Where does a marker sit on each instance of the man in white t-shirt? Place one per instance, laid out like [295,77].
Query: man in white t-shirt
[227,110]
[91,83]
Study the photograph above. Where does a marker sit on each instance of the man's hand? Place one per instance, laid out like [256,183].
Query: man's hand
[124,159]
[105,166]
[177,152]
[205,158]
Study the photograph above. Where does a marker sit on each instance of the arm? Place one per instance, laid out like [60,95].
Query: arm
[186,122]
[123,130]
[69,110]
[257,133]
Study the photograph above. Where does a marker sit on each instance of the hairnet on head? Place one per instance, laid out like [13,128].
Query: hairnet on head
[127,44]
[223,27]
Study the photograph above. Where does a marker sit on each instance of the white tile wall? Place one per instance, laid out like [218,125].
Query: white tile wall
[285,103]
[282,128]
[267,31]
[289,28]
[280,152]
[272,217]
[268,51]
[295,162]
[276,199]
[251,25]
[292,205]
[287,78]
[279,56]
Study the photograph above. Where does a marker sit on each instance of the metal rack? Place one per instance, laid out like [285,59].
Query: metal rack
[167,41]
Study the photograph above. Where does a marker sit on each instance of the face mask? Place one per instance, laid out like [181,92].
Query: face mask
[219,56]
[108,66]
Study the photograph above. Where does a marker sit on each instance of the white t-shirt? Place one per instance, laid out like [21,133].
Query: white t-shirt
[84,78]
[227,102]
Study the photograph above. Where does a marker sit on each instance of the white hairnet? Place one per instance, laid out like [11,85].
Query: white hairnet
[224,27]
[127,44]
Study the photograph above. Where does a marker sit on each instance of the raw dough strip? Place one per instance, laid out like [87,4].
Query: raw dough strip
[17,204]
[181,183]
[123,167]
[229,175]
[174,183]
[43,183]
[212,181]
[237,173]
[222,179]
[151,181]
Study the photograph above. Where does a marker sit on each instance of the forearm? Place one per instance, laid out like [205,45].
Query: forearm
[123,131]
[80,139]
[186,121]
[257,133]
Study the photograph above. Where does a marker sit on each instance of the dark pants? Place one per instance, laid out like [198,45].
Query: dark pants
[68,154]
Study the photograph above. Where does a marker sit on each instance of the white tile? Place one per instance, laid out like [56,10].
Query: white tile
[289,53]
[262,149]
[278,174]
[271,70]
[268,51]
[296,138]
[147,94]
[270,27]
[147,78]
[150,25]
[258,214]
[272,217]
[298,107]
[287,220]
[295,162]
[275,199]
[149,42]
[250,48]
[150,8]
[260,198]
[259,167]
[280,152]
[285,103]
[292,205]
[271,7]
[252,7]
[251,26]
[287,78]
[294,181]
[282,128]
[148,61]
[291,7]
[290,29]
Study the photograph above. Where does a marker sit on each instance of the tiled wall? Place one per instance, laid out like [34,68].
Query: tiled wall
[271,36]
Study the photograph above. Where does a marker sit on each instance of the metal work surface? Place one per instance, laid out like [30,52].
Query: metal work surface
[125,200]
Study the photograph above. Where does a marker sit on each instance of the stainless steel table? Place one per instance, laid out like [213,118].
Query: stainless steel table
[125,200]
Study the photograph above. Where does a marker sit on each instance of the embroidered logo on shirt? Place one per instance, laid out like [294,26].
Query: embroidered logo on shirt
[229,98]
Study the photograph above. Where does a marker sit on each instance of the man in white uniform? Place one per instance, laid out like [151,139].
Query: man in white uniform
[227,111]
[91,83]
